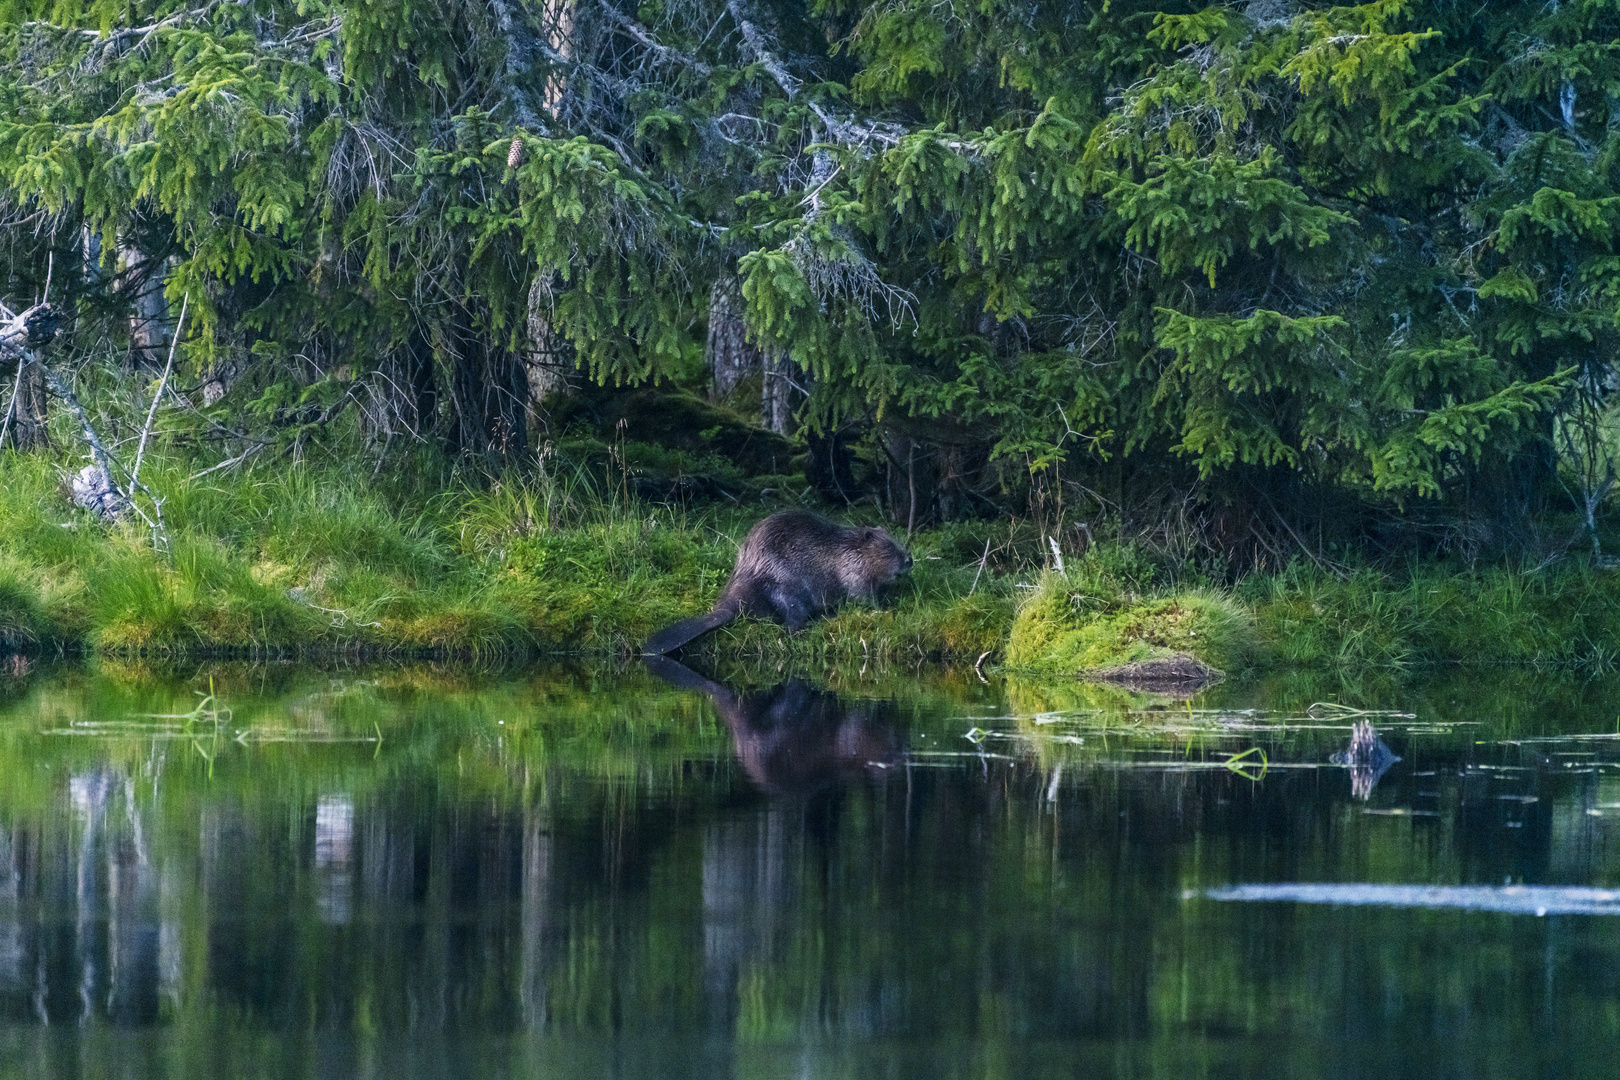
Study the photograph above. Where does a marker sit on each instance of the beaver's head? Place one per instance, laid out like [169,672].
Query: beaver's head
[883,559]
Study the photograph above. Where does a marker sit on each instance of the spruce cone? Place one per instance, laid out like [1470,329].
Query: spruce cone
[514,156]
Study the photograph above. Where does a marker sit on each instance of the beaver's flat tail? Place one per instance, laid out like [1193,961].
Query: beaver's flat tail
[680,633]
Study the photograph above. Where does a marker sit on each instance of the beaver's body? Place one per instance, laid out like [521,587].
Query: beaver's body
[793,567]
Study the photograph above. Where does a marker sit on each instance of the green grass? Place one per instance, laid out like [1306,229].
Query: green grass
[23,622]
[294,558]
[1424,614]
[298,559]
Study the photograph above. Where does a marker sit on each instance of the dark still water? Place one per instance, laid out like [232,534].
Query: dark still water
[403,873]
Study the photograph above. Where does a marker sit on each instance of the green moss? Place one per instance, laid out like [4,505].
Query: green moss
[1062,627]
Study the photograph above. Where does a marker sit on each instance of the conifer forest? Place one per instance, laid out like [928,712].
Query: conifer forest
[1276,276]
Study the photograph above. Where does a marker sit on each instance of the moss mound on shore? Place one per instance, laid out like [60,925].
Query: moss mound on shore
[1076,623]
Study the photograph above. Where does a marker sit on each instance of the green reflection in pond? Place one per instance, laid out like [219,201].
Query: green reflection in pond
[558,872]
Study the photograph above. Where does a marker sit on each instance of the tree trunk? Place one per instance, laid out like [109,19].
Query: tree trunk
[778,392]
[558,16]
[24,407]
[30,413]
[549,361]
[488,394]
[830,466]
[729,355]
[912,480]
[149,325]
[94,274]
[237,337]
[223,372]
[422,377]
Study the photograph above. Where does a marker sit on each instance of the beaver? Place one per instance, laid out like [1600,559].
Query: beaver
[794,566]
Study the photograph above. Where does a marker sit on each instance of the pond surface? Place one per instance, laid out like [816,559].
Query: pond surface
[409,872]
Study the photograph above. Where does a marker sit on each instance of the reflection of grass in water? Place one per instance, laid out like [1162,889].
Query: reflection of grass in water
[289,736]
[208,721]
[1510,712]
[559,707]
[1223,727]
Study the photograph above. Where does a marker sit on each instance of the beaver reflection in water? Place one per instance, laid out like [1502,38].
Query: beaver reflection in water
[792,567]
[793,738]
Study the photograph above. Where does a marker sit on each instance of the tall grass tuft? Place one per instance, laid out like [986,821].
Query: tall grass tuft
[22,616]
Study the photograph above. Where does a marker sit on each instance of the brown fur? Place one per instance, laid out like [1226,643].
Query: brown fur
[793,567]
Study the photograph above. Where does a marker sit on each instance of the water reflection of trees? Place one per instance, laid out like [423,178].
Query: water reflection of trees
[798,742]
[796,876]
[99,946]
[719,901]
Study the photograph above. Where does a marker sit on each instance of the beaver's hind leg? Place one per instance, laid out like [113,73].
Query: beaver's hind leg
[791,605]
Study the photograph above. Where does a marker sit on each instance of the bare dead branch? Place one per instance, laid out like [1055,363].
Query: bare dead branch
[151,414]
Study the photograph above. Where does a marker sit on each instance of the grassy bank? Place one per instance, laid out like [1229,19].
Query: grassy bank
[295,559]
[302,559]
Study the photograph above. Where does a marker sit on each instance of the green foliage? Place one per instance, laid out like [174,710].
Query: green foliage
[1362,252]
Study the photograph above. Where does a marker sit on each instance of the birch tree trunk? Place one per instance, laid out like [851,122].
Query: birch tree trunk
[559,31]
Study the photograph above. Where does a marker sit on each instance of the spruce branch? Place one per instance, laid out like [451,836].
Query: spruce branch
[842,129]
[652,45]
